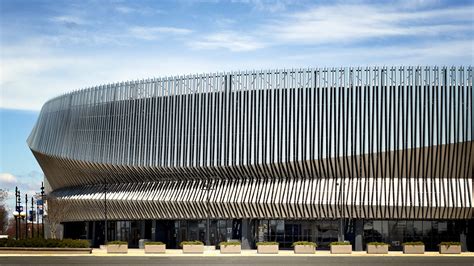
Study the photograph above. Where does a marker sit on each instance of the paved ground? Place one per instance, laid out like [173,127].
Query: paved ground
[237,260]
[248,257]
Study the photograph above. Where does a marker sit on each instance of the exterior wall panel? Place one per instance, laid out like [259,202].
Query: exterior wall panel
[388,142]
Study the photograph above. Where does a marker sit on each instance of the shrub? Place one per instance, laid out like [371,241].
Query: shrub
[229,243]
[117,243]
[266,243]
[378,244]
[304,243]
[449,243]
[154,243]
[48,243]
[340,243]
[194,242]
[414,243]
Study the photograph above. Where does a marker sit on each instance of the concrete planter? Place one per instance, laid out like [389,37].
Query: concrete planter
[341,249]
[413,249]
[117,248]
[304,249]
[193,248]
[150,249]
[21,250]
[231,249]
[267,249]
[451,249]
[377,249]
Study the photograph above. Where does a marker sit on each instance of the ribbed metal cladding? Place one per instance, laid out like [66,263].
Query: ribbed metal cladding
[382,142]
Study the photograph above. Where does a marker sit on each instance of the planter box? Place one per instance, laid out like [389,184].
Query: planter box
[231,249]
[267,249]
[193,248]
[341,249]
[19,250]
[413,249]
[452,249]
[304,249]
[149,249]
[117,248]
[373,249]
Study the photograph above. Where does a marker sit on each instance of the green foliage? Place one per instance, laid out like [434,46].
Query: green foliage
[414,243]
[265,243]
[193,242]
[154,243]
[378,244]
[45,243]
[117,243]
[450,243]
[229,243]
[340,243]
[304,243]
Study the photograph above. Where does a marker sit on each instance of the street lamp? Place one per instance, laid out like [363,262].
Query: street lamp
[42,211]
[26,216]
[32,217]
[16,213]
[105,209]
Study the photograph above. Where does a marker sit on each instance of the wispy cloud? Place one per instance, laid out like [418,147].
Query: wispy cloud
[233,41]
[7,178]
[266,5]
[68,21]
[153,33]
[337,23]
[126,9]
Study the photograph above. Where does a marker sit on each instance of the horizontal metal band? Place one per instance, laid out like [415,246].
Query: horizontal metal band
[370,198]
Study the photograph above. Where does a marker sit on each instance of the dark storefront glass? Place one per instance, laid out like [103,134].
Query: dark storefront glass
[323,232]
[396,232]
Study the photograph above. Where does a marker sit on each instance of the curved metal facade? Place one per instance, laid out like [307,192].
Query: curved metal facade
[390,142]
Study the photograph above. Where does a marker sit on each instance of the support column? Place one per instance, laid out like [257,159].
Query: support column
[341,231]
[245,234]
[94,238]
[142,229]
[359,234]
[153,230]
[463,240]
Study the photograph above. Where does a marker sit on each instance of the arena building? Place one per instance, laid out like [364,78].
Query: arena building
[357,154]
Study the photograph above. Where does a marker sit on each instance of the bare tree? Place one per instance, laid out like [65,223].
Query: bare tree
[3,212]
[56,210]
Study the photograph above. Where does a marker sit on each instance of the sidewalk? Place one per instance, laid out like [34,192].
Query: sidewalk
[249,253]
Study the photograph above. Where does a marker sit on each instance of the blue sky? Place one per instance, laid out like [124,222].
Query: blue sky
[51,47]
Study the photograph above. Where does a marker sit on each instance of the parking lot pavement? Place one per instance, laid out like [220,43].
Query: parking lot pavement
[238,260]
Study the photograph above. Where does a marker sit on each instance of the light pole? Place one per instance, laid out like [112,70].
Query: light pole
[37,218]
[16,213]
[32,217]
[42,210]
[26,216]
[105,209]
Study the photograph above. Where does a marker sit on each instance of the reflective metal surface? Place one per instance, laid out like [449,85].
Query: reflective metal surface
[389,142]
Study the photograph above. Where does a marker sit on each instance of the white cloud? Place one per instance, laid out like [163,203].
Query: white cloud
[123,9]
[69,21]
[7,179]
[432,53]
[271,6]
[339,23]
[152,33]
[234,41]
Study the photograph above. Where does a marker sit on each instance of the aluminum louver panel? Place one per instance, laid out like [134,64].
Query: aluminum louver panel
[302,143]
